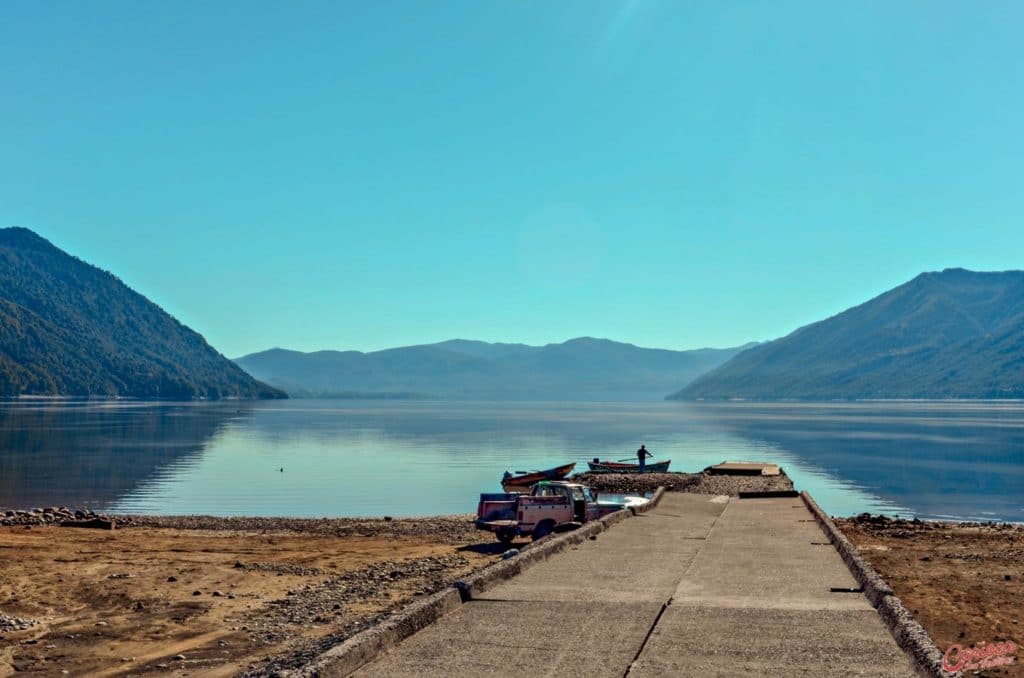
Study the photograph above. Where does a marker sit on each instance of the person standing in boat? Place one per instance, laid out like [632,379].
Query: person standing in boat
[642,455]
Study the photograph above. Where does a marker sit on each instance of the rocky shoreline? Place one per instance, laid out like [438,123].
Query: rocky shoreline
[447,529]
[52,515]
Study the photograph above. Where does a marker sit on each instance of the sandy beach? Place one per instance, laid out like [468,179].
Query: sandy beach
[214,596]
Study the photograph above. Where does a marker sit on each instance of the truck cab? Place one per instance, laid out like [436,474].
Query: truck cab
[550,506]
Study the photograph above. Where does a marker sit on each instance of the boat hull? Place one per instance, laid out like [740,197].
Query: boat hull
[618,467]
[528,480]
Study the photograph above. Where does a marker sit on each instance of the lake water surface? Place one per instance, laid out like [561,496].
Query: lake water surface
[359,458]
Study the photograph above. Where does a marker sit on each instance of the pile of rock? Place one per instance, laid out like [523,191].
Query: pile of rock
[52,515]
[318,603]
[732,485]
[704,482]
[341,603]
[636,483]
[11,624]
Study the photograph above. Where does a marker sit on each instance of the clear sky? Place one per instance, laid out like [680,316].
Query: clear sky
[373,174]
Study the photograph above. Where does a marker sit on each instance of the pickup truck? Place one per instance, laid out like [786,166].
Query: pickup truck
[550,506]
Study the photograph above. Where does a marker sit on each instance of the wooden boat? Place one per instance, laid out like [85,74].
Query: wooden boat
[524,481]
[619,467]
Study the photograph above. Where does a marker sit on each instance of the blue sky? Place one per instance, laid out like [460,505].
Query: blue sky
[366,175]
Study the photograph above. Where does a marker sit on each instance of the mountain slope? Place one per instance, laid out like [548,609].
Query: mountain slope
[579,369]
[953,334]
[68,328]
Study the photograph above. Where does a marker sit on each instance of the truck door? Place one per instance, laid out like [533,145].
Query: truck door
[579,505]
[593,510]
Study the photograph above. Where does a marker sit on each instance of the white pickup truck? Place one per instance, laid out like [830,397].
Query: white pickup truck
[550,506]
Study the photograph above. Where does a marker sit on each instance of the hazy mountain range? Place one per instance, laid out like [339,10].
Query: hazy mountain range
[580,369]
[954,334]
[68,328]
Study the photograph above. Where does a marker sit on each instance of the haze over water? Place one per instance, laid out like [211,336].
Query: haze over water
[364,458]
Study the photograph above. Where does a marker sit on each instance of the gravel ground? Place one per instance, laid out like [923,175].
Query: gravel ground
[9,624]
[333,599]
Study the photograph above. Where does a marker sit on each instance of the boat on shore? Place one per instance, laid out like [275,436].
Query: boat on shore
[597,466]
[524,481]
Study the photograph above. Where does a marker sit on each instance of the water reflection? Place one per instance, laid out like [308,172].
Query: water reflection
[315,458]
[941,459]
[89,454]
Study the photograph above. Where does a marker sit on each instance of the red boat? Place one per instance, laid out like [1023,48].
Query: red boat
[524,481]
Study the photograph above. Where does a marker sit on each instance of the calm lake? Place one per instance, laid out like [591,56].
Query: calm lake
[359,458]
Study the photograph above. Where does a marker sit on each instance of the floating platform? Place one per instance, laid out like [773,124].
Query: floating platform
[745,468]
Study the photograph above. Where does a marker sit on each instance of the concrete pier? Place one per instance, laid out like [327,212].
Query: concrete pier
[699,586]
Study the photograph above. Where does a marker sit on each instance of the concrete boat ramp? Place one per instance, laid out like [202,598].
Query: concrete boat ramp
[704,586]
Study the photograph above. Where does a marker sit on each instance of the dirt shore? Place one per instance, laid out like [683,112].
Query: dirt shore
[963,581]
[213,596]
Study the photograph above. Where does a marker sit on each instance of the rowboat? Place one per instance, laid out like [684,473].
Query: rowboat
[524,481]
[618,467]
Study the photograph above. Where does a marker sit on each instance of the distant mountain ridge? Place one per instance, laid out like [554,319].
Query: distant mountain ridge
[579,369]
[68,328]
[949,334]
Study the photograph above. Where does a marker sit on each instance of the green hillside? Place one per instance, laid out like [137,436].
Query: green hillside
[70,329]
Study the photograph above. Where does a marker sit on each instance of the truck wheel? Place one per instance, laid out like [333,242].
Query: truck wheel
[543,529]
[505,535]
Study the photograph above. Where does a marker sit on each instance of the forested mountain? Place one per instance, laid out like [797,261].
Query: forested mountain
[68,328]
[579,369]
[953,334]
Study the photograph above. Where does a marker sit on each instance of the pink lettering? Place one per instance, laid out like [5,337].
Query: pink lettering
[951,660]
[957,657]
